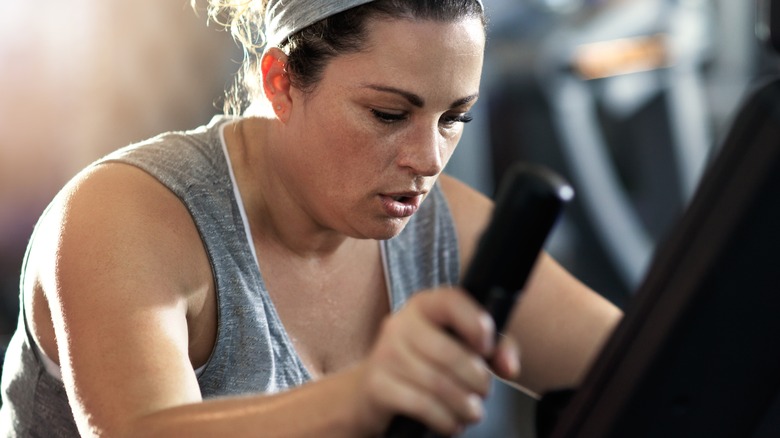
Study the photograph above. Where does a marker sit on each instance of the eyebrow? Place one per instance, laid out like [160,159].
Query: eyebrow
[415,99]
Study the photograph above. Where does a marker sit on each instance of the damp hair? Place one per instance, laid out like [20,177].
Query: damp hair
[310,49]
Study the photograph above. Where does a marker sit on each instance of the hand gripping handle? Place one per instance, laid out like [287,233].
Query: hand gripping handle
[529,200]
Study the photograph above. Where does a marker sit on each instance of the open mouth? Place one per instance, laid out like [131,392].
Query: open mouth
[401,205]
[403,199]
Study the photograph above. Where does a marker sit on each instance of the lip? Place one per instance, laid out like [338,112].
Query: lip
[402,204]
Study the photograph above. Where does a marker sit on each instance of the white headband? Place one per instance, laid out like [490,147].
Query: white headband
[285,17]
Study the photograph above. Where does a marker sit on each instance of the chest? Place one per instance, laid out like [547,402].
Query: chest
[331,313]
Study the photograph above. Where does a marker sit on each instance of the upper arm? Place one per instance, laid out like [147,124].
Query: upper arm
[115,286]
[471,212]
[561,325]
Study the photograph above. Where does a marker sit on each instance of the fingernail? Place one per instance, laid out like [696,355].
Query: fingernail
[514,365]
[475,406]
[488,341]
[513,359]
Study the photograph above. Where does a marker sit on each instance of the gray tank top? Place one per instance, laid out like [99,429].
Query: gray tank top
[252,353]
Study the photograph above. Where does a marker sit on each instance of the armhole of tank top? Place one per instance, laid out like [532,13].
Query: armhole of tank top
[54,370]
[49,365]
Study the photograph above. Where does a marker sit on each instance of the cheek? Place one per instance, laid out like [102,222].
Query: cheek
[452,144]
[345,158]
[350,143]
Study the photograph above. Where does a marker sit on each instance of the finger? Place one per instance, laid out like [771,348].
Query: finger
[444,349]
[465,401]
[456,310]
[406,398]
[457,376]
[506,360]
[450,357]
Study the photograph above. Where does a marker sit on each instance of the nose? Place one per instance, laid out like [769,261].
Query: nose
[423,153]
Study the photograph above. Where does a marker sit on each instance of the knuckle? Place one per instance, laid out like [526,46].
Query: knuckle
[474,371]
[460,402]
[442,353]
[440,385]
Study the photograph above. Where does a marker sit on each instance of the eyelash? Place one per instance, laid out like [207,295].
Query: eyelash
[460,118]
[393,118]
[388,117]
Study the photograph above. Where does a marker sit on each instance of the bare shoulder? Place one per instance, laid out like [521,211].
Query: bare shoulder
[112,213]
[115,264]
[471,212]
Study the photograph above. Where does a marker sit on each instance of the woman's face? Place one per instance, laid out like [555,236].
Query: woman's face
[372,138]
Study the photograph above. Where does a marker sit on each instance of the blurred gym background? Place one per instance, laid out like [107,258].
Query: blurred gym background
[628,99]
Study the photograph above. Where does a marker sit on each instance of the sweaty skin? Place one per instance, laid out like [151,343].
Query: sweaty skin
[323,175]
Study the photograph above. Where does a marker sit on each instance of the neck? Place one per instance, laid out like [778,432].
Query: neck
[276,219]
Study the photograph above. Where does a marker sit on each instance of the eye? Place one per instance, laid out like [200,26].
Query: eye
[451,119]
[386,117]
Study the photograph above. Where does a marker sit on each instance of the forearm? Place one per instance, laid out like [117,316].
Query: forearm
[415,368]
[326,408]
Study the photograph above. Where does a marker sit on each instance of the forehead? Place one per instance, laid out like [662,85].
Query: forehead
[454,37]
[420,55]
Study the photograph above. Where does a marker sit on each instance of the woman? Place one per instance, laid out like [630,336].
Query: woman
[145,312]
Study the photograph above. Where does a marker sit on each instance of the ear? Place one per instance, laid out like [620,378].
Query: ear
[276,83]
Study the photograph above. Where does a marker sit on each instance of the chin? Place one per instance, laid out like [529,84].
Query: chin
[388,229]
